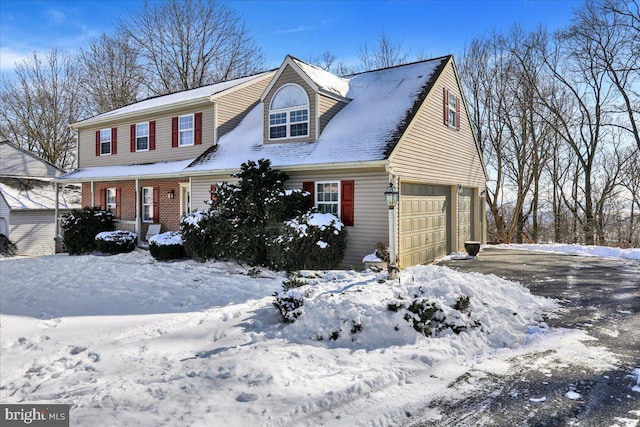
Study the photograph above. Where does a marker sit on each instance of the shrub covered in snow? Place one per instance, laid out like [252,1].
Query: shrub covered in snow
[244,217]
[311,241]
[290,300]
[166,246]
[80,227]
[116,242]
[7,247]
[205,235]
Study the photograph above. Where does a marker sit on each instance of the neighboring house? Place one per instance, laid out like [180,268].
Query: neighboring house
[343,139]
[28,200]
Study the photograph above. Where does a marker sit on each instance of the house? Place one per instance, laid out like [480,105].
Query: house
[29,200]
[343,139]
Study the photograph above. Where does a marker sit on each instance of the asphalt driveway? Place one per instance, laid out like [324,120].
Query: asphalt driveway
[600,296]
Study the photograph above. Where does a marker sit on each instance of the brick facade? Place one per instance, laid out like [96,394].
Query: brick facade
[168,209]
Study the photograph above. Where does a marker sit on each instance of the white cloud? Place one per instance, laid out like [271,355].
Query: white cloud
[9,58]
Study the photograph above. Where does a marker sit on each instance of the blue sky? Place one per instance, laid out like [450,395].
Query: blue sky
[300,28]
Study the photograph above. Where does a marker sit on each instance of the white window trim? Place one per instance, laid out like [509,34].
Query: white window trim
[138,136]
[192,129]
[104,142]
[111,206]
[143,204]
[288,112]
[315,195]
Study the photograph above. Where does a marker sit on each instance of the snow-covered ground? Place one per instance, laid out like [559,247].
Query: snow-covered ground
[599,251]
[127,340]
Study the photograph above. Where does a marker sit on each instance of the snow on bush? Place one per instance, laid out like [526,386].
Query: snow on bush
[427,301]
[80,227]
[166,246]
[116,242]
[310,241]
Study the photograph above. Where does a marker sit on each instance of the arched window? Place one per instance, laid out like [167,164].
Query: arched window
[289,113]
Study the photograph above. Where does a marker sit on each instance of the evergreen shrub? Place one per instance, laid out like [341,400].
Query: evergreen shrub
[80,227]
[166,246]
[116,242]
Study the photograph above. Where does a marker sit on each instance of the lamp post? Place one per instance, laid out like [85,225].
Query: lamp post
[391,197]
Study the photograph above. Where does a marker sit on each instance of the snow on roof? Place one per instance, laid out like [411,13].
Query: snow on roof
[324,79]
[161,168]
[358,132]
[203,93]
[40,195]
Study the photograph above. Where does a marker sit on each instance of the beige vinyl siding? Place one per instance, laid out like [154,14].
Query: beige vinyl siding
[432,152]
[200,187]
[370,212]
[234,106]
[164,152]
[16,162]
[290,76]
[33,232]
[371,218]
[327,108]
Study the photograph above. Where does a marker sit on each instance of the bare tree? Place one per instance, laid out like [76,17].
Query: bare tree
[110,73]
[385,53]
[611,29]
[37,105]
[184,44]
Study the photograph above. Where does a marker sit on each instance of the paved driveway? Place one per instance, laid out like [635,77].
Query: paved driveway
[600,296]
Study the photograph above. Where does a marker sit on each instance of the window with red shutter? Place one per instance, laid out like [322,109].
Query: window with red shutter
[152,135]
[347,204]
[114,140]
[132,138]
[97,143]
[174,131]
[198,129]
[118,205]
[445,105]
[308,187]
[212,190]
[103,198]
[156,205]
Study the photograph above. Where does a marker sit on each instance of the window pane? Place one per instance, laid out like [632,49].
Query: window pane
[277,118]
[299,116]
[142,143]
[299,129]
[186,122]
[105,135]
[186,137]
[142,129]
[278,132]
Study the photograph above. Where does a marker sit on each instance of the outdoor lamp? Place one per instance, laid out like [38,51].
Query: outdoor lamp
[391,196]
[171,194]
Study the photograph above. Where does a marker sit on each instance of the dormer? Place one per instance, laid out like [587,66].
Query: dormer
[300,101]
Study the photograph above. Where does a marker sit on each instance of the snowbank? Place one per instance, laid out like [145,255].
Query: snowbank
[600,251]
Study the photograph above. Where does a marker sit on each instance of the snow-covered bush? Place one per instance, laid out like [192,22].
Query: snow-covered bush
[116,242]
[290,299]
[311,241]
[7,247]
[244,218]
[166,246]
[80,227]
[431,318]
[205,235]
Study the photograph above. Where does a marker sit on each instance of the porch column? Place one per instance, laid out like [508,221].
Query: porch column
[138,224]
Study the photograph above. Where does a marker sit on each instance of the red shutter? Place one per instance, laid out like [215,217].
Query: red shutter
[118,197]
[174,131]
[114,140]
[152,135]
[97,143]
[214,187]
[103,198]
[445,104]
[458,113]
[346,202]
[132,139]
[198,129]
[156,205]
[308,186]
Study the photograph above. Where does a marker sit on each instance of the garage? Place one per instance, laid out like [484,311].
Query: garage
[424,213]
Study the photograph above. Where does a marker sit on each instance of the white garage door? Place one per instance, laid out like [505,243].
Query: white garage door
[424,213]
